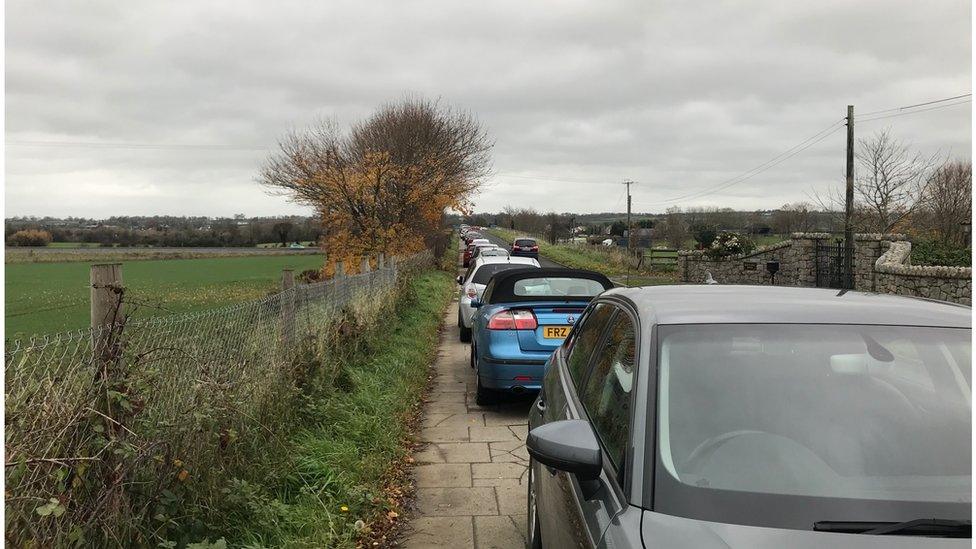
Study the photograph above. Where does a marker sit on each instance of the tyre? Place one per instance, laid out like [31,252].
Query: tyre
[483,396]
[464,334]
[533,537]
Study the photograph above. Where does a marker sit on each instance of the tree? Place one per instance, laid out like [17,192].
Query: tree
[947,202]
[673,228]
[889,181]
[383,186]
[282,229]
[793,218]
[29,237]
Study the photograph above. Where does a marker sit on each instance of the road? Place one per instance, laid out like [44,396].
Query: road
[508,246]
[470,475]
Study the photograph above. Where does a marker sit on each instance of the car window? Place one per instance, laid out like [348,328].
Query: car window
[606,396]
[557,287]
[585,337]
[485,272]
[525,242]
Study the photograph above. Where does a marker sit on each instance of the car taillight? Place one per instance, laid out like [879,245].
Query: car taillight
[535,248]
[472,293]
[513,320]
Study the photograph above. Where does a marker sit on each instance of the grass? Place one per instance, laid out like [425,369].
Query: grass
[53,297]
[612,262]
[347,463]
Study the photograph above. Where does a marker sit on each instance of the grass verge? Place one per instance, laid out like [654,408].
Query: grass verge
[343,478]
[612,262]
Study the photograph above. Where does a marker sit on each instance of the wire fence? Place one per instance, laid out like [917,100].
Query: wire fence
[109,429]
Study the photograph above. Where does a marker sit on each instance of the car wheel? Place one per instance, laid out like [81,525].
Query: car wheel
[471,361]
[464,334]
[533,538]
[483,396]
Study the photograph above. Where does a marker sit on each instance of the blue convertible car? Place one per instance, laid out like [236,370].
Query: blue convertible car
[522,317]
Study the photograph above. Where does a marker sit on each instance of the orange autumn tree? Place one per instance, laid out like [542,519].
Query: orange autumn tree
[383,186]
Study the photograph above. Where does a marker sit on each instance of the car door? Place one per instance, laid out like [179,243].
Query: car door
[572,514]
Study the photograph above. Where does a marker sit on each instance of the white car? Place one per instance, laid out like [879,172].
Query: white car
[474,282]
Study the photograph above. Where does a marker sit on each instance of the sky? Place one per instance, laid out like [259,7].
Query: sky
[170,108]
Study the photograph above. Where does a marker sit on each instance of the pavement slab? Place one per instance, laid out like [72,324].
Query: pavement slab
[470,474]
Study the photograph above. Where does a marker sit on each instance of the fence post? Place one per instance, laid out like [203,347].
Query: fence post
[365,268]
[287,306]
[380,261]
[106,303]
[340,269]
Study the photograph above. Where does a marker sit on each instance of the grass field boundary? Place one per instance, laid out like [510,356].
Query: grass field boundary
[110,431]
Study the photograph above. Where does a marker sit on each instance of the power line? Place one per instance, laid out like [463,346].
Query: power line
[937,107]
[916,105]
[559,180]
[776,160]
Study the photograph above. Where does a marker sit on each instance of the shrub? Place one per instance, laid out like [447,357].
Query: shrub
[704,235]
[940,252]
[29,237]
[729,243]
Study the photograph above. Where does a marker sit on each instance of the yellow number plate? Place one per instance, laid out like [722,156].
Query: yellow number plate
[555,332]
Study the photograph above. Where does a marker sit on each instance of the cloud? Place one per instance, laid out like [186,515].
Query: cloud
[578,95]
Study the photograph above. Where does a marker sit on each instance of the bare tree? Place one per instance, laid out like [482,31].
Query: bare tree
[673,228]
[947,202]
[889,181]
[792,218]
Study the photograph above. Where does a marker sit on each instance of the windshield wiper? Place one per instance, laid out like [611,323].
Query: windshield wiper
[919,527]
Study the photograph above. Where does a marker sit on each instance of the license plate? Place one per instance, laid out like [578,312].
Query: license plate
[555,332]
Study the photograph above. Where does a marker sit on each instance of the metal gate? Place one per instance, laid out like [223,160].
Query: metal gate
[833,266]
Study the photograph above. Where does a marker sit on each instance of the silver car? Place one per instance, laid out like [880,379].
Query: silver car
[474,281]
[746,416]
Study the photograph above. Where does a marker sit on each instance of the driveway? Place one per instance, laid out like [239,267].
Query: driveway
[470,475]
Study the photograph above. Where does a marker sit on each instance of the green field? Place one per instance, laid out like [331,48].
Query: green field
[53,297]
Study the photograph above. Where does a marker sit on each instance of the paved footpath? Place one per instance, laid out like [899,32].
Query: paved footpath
[471,473]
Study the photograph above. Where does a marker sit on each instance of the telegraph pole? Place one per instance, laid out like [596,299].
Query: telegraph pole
[630,231]
[849,203]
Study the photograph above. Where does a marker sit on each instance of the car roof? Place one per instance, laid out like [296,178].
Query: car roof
[721,304]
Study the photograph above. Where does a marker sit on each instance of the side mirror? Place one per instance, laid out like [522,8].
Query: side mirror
[475,303]
[459,279]
[568,445]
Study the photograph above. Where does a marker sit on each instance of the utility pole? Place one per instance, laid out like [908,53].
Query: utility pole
[630,230]
[849,204]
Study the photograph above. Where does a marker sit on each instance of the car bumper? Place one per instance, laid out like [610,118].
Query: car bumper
[512,373]
[534,255]
[465,310]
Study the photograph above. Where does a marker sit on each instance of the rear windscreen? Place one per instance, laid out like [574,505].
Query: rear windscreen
[557,287]
[525,242]
[485,272]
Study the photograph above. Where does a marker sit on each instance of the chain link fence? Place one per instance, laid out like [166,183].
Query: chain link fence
[111,428]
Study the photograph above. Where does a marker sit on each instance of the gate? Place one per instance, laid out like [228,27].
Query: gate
[833,267]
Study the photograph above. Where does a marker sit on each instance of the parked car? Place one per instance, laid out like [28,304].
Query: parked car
[482,249]
[747,416]
[492,252]
[466,258]
[471,236]
[474,281]
[521,318]
[525,247]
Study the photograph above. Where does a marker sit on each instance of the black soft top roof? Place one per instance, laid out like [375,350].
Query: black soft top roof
[501,287]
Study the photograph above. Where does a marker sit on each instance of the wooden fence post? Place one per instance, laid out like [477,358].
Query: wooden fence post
[381,261]
[340,269]
[106,303]
[287,306]
[365,268]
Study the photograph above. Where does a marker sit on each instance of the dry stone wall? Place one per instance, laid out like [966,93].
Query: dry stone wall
[881,264]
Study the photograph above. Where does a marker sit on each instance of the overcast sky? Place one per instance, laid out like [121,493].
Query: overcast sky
[145,108]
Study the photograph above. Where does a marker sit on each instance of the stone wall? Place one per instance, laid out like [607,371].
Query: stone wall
[896,275]
[881,264]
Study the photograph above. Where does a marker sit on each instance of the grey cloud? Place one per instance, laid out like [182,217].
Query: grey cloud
[675,95]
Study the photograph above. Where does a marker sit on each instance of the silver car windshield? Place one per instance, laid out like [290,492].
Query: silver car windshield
[826,411]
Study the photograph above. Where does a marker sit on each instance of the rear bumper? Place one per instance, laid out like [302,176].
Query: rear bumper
[512,373]
[534,255]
